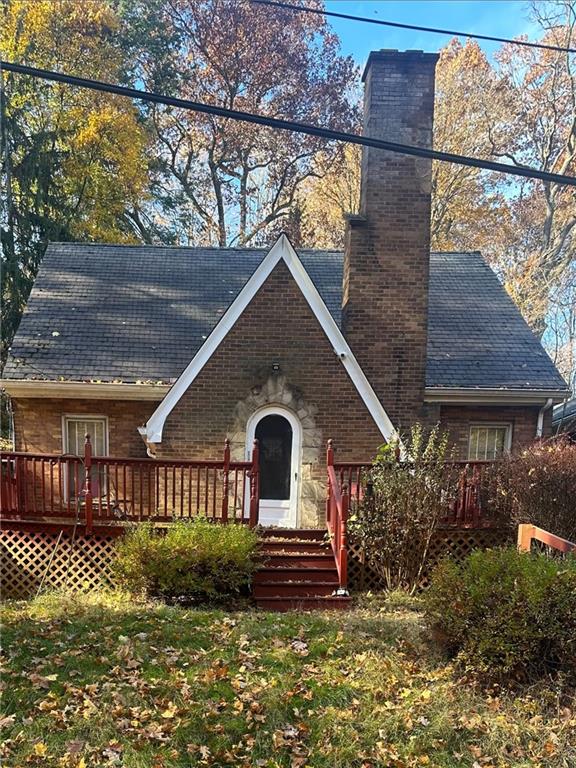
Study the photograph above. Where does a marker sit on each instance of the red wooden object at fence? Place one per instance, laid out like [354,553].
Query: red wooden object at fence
[226,478]
[337,504]
[87,490]
[52,488]
[465,499]
[254,484]
[527,533]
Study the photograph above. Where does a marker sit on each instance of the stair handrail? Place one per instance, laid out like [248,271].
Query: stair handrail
[528,532]
[254,485]
[337,504]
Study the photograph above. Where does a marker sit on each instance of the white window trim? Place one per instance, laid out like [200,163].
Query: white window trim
[282,250]
[492,425]
[82,416]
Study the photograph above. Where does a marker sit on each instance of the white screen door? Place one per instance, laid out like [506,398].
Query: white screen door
[278,435]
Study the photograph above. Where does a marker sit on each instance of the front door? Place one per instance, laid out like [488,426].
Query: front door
[278,469]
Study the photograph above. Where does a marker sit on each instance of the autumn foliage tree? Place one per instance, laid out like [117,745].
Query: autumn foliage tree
[220,181]
[87,166]
[539,266]
[468,206]
[73,160]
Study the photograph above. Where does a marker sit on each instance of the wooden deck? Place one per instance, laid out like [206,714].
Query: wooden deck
[95,496]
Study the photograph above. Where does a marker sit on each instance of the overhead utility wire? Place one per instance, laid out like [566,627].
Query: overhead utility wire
[398,25]
[289,125]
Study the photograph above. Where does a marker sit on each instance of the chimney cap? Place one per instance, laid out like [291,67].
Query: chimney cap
[405,57]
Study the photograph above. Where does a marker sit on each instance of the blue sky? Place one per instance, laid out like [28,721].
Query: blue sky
[503,18]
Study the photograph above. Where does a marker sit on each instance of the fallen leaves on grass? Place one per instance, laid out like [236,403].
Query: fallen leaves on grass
[98,684]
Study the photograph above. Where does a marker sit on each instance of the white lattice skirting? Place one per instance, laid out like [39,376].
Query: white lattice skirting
[79,565]
[28,558]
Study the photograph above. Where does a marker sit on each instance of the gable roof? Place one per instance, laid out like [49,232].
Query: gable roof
[137,313]
[282,250]
[141,313]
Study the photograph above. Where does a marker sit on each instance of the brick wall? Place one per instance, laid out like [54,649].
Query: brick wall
[385,291]
[38,423]
[277,328]
[457,419]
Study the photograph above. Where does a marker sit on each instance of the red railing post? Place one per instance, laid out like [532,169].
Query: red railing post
[226,481]
[330,454]
[525,533]
[461,503]
[254,485]
[344,539]
[475,495]
[88,484]
[329,463]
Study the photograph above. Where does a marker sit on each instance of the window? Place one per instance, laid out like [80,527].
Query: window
[77,427]
[75,430]
[488,441]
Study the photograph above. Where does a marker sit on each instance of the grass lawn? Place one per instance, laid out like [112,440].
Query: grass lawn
[101,681]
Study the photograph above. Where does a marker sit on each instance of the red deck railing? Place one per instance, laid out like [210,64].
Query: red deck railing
[467,491]
[96,490]
[337,501]
[528,533]
[467,500]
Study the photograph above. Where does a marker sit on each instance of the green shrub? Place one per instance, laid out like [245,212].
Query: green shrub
[198,560]
[506,614]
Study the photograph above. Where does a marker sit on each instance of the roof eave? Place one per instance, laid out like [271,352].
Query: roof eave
[43,388]
[492,395]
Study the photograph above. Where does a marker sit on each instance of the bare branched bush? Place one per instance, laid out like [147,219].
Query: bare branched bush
[538,486]
[402,503]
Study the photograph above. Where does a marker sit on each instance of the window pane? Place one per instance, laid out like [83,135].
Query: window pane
[499,439]
[274,435]
[473,447]
[484,434]
[76,431]
[486,443]
[75,434]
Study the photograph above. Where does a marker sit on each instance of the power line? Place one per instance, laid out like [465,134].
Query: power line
[398,25]
[289,125]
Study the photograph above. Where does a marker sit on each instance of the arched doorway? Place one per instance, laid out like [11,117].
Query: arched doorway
[278,433]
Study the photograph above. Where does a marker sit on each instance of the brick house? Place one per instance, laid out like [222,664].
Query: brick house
[166,351]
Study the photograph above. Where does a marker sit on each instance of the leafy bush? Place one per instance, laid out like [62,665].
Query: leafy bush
[196,559]
[539,487]
[402,504]
[506,614]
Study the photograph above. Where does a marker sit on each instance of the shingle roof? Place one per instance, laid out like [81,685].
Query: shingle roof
[129,313]
[477,337]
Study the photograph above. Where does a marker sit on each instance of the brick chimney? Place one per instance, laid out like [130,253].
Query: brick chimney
[385,288]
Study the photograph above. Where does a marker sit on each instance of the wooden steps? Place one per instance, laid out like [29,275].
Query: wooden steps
[283,604]
[299,572]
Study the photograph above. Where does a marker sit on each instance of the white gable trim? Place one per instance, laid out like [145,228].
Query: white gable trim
[281,250]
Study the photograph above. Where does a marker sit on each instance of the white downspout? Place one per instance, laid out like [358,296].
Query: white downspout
[540,422]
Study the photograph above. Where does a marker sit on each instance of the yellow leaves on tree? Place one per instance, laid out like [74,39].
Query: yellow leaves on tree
[76,155]
[467,211]
[327,196]
[74,159]
[104,170]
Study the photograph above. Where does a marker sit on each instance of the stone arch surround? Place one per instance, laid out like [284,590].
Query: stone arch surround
[278,391]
